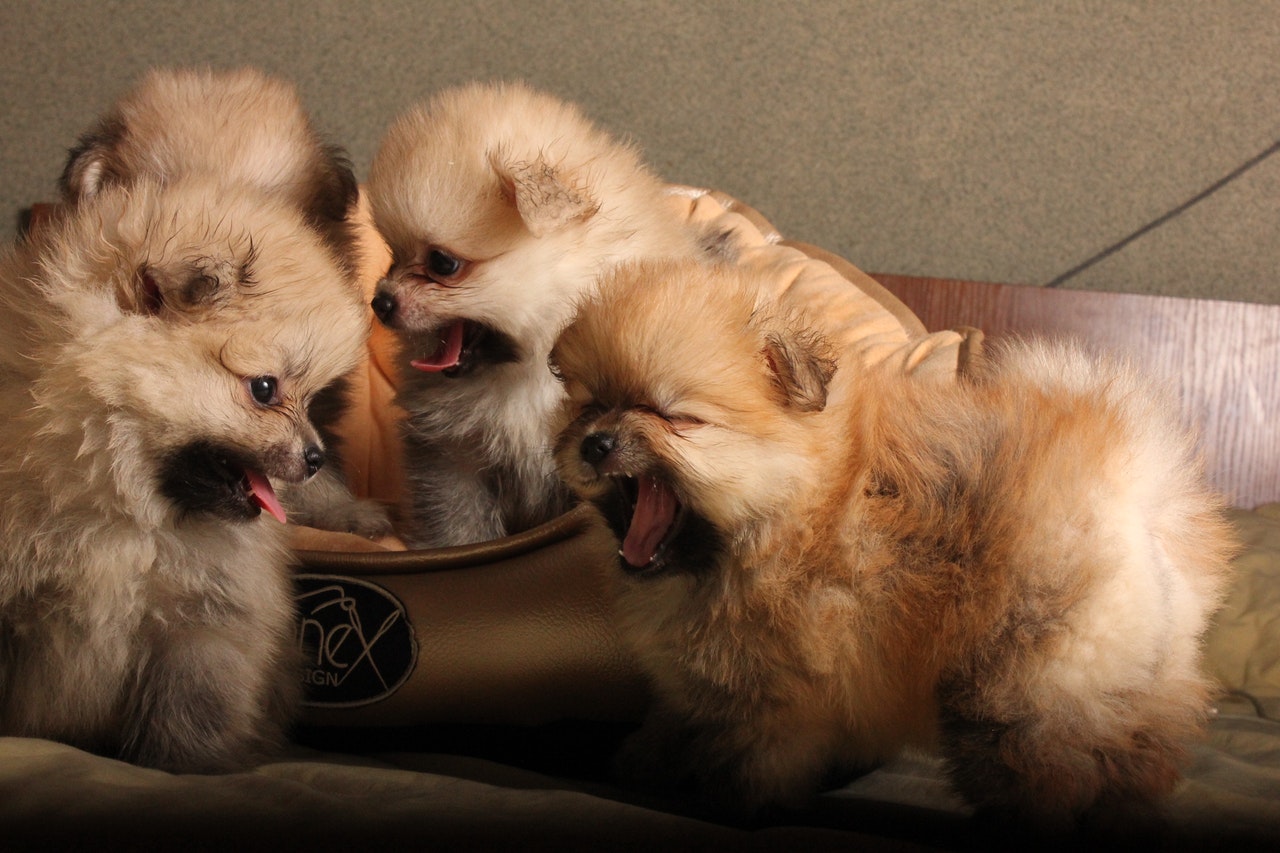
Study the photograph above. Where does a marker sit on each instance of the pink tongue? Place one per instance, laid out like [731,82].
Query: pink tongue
[655,512]
[261,493]
[447,355]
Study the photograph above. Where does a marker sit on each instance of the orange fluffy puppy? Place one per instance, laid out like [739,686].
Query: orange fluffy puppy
[824,563]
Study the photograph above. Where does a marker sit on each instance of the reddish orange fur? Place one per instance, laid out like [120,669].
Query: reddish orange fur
[1013,569]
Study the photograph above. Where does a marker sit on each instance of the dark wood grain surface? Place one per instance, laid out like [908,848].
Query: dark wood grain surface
[1223,357]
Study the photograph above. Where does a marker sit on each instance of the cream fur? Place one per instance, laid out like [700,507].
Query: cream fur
[536,202]
[130,624]
[239,128]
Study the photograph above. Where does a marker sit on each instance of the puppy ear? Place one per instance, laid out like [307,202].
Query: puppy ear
[333,199]
[334,191]
[92,164]
[545,195]
[802,362]
[190,291]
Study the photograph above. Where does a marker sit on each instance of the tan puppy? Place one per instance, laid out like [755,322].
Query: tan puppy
[158,351]
[823,563]
[239,128]
[501,206]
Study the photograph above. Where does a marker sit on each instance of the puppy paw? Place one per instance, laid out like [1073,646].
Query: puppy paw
[370,520]
[366,518]
[324,502]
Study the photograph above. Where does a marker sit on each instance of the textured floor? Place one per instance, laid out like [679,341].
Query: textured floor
[1004,141]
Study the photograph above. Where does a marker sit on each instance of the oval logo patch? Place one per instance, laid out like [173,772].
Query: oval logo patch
[356,639]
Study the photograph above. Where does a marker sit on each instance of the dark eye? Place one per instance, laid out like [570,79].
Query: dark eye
[263,390]
[442,265]
[678,421]
[152,297]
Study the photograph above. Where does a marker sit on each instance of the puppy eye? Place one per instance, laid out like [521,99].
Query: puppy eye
[264,390]
[678,421]
[442,266]
[685,421]
[152,297]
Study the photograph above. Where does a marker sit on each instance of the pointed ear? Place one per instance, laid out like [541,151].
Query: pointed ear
[334,190]
[93,163]
[547,197]
[802,362]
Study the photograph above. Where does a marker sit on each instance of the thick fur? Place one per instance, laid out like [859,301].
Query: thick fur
[240,128]
[532,202]
[1014,569]
[145,605]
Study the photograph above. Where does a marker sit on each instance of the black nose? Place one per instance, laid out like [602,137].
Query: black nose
[597,446]
[314,458]
[384,307]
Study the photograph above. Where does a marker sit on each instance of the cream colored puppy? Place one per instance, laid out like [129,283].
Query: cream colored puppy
[159,350]
[502,206]
[240,128]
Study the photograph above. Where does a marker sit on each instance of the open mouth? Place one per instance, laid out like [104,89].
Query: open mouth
[203,477]
[652,517]
[463,345]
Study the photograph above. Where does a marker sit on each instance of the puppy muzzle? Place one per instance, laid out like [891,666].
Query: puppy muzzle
[291,464]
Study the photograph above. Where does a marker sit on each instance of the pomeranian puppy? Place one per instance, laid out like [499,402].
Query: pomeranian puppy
[501,206]
[241,128]
[159,349]
[824,562]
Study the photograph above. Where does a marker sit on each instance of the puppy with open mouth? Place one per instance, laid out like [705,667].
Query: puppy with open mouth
[160,349]
[824,562]
[501,206]
[241,128]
